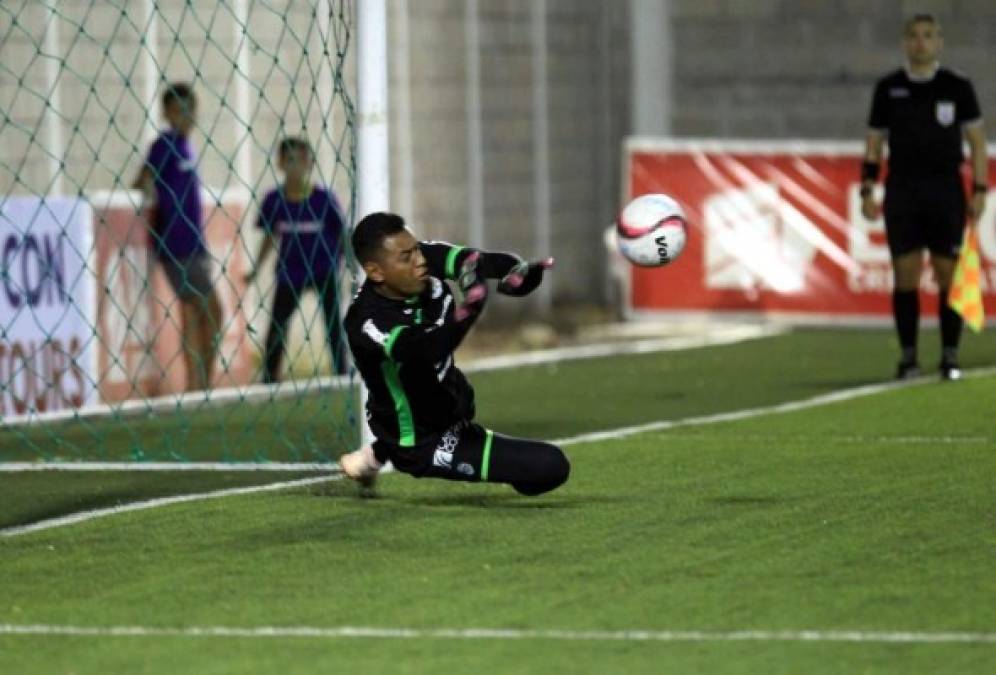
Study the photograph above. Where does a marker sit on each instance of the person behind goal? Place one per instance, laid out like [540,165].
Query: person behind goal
[304,223]
[169,174]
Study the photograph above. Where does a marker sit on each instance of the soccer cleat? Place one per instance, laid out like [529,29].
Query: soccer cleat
[950,370]
[907,370]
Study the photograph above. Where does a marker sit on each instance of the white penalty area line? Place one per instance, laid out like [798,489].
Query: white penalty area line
[733,416]
[729,335]
[257,393]
[162,501]
[335,632]
[254,393]
[612,434]
[904,440]
[608,434]
[269,467]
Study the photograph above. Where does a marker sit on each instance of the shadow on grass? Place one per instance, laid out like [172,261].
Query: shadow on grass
[39,497]
[748,500]
[58,509]
[483,500]
[825,386]
[509,500]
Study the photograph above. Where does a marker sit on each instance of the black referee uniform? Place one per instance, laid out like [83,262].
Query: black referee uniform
[924,195]
[420,406]
[922,120]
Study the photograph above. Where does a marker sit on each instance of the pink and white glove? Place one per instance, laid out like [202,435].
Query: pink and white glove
[472,290]
[524,277]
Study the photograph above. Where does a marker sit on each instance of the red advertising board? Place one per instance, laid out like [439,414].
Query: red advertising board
[775,228]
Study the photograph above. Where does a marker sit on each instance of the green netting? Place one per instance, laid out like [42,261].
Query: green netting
[107,322]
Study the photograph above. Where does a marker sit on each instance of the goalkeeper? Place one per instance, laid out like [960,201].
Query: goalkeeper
[403,327]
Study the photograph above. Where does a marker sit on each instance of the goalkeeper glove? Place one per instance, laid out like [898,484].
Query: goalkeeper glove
[524,277]
[472,290]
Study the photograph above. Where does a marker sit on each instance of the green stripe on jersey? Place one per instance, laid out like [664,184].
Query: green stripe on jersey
[391,337]
[451,261]
[403,409]
[486,458]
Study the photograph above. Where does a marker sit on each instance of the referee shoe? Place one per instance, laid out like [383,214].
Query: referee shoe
[950,370]
[907,370]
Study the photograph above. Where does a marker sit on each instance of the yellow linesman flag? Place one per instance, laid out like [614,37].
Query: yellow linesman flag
[965,296]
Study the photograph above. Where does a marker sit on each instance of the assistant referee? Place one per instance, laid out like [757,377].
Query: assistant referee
[924,111]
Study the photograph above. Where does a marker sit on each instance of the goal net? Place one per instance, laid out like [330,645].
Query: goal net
[118,341]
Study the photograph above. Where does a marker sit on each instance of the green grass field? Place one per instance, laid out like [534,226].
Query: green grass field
[875,514]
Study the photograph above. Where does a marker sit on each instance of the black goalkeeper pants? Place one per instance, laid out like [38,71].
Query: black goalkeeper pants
[285,302]
[469,452]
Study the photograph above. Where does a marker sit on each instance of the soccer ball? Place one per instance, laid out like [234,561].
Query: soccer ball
[651,230]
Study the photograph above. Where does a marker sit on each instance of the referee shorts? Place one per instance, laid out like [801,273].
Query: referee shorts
[925,213]
[469,452]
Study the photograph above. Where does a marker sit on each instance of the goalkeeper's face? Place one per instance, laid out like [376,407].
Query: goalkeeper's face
[400,267]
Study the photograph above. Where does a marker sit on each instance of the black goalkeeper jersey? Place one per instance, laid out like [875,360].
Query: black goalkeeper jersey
[404,351]
[923,119]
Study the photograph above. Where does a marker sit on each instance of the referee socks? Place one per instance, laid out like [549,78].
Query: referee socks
[906,310]
[951,323]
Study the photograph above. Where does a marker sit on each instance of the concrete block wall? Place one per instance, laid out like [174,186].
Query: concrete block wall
[77,99]
[109,111]
[742,68]
[103,110]
[587,115]
[806,68]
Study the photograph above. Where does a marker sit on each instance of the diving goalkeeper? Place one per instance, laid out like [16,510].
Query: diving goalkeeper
[403,327]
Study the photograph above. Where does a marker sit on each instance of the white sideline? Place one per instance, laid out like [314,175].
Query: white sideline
[266,392]
[731,335]
[610,434]
[21,467]
[172,402]
[824,399]
[333,632]
[905,440]
[161,501]
[790,406]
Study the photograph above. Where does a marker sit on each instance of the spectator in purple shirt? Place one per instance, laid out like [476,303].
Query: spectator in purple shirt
[170,173]
[304,222]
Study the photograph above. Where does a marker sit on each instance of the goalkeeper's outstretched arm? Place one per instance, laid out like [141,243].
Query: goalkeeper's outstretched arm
[515,276]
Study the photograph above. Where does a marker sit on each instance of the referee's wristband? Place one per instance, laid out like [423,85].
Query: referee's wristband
[980,188]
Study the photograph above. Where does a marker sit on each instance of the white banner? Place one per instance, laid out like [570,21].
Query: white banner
[47,311]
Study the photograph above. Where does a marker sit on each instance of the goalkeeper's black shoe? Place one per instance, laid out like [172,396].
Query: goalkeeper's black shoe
[907,370]
[950,370]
